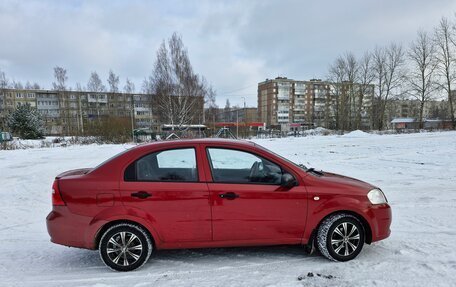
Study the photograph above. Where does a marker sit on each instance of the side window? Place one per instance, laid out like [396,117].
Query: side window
[234,166]
[168,165]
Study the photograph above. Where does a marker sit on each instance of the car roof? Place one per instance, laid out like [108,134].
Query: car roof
[200,141]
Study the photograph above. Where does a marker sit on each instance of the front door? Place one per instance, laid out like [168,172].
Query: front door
[166,185]
[248,203]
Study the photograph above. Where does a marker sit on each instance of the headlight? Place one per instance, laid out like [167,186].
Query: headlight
[376,196]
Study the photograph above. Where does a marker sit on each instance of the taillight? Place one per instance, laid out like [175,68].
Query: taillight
[56,197]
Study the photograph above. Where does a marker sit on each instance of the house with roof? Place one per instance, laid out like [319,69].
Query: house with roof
[405,124]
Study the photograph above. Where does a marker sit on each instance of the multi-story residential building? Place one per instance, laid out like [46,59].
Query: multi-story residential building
[289,104]
[47,103]
[73,112]
[235,114]
[143,112]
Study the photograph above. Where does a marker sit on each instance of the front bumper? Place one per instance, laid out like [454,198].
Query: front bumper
[380,217]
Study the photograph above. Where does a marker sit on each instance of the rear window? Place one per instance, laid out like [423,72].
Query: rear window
[168,165]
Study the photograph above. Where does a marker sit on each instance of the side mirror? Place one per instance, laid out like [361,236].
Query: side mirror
[287,181]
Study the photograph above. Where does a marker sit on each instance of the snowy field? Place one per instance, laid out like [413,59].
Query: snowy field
[416,171]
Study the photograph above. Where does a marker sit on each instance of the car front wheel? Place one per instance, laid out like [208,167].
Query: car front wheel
[340,237]
[125,247]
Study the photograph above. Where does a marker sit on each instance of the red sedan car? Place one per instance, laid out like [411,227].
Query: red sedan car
[211,193]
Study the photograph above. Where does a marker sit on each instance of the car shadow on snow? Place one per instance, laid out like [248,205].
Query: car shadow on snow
[230,255]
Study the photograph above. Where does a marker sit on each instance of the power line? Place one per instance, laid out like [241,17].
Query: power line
[240,95]
[237,90]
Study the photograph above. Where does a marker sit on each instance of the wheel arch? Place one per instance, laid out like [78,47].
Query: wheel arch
[364,223]
[109,224]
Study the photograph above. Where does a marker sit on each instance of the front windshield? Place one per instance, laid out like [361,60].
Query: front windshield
[300,165]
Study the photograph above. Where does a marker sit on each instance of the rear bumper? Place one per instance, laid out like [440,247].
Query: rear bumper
[68,229]
[380,217]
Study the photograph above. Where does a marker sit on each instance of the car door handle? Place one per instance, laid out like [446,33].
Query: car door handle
[229,195]
[141,194]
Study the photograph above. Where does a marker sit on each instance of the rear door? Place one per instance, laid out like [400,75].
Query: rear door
[248,203]
[171,189]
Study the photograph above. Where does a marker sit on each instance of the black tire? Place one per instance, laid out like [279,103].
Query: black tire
[340,237]
[125,247]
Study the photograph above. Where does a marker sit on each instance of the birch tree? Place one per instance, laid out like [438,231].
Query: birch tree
[3,85]
[4,82]
[79,87]
[113,81]
[388,64]
[423,65]
[178,90]
[445,40]
[129,87]
[337,74]
[17,85]
[95,84]
[365,78]
[352,68]
[60,75]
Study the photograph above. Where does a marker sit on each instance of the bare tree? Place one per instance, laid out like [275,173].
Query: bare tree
[36,86]
[113,81]
[148,85]
[343,75]
[388,63]
[60,75]
[79,87]
[211,115]
[227,105]
[421,76]
[28,85]
[444,39]
[95,84]
[3,81]
[209,100]
[177,89]
[129,87]
[337,74]
[365,78]
[352,68]
[17,85]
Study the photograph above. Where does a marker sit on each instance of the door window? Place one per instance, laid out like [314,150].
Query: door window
[235,166]
[168,165]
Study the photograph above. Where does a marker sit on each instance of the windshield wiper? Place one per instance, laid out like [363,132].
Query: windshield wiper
[312,170]
[302,166]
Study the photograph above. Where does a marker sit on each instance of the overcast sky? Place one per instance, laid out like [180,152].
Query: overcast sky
[234,44]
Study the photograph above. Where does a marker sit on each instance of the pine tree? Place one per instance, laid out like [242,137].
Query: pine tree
[26,122]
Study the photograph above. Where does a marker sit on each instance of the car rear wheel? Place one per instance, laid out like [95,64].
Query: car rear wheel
[125,247]
[340,237]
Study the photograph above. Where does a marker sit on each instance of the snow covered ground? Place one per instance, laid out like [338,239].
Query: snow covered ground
[416,171]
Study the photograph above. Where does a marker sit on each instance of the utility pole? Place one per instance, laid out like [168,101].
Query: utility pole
[245,116]
[80,113]
[237,123]
[132,120]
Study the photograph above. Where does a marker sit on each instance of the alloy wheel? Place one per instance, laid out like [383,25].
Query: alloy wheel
[124,248]
[345,239]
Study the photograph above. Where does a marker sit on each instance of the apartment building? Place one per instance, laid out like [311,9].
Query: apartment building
[235,114]
[72,112]
[288,104]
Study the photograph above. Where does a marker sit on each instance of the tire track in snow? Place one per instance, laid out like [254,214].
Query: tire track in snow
[268,266]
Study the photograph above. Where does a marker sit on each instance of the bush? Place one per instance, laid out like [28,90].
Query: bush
[110,129]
